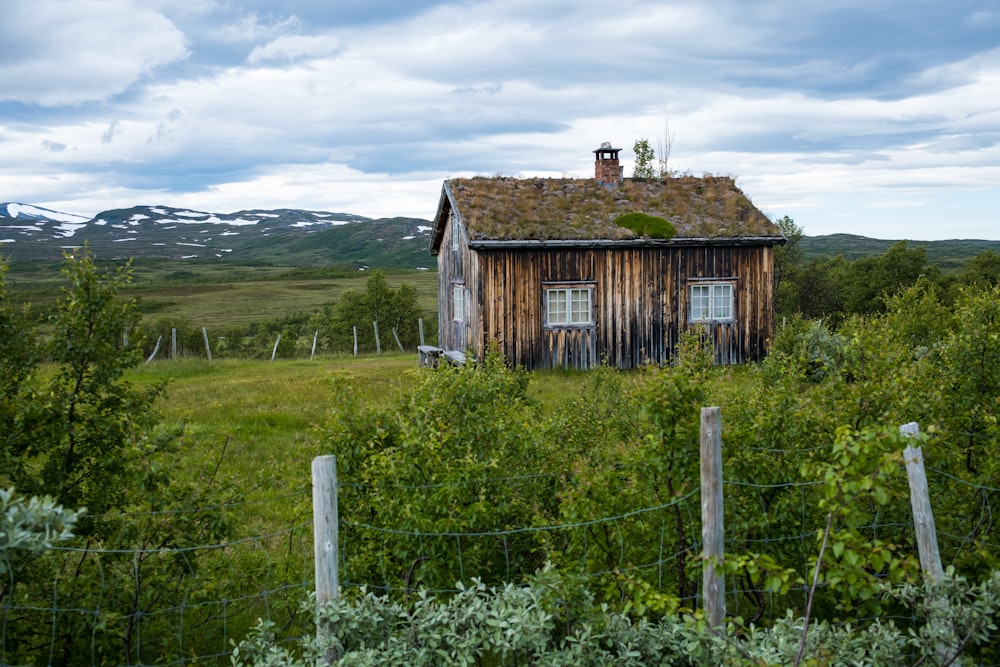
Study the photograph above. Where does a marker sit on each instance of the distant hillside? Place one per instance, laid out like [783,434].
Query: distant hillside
[283,236]
[949,255]
[289,237]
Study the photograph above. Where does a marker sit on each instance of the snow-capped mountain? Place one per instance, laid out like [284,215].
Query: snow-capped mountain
[297,236]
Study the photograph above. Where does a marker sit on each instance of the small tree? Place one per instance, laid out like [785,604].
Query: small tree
[645,159]
[393,310]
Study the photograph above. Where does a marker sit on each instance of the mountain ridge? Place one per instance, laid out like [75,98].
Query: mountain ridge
[294,236]
[298,237]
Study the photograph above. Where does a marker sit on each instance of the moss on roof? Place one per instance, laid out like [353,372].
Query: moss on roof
[503,209]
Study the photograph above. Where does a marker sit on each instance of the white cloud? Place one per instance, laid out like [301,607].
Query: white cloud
[58,52]
[252,28]
[293,47]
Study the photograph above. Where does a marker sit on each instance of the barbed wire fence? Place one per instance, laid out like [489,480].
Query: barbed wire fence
[130,606]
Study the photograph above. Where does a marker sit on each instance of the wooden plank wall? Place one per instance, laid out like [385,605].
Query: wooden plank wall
[640,300]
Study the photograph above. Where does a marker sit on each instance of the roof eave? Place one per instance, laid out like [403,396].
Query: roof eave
[486,244]
[445,203]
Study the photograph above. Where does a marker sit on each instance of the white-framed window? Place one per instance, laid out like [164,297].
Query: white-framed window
[456,233]
[711,301]
[569,306]
[460,305]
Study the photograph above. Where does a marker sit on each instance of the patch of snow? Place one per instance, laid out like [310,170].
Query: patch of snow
[25,211]
[69,228]
[7,241]
[189,256]
[30,228]
[159,244]
[212,219]
[305,223]
[101,222]
[409,238]
[229,234]
[130,238]
[423,228]
[195,245]
[269,215]
[137,217]
[159,211]
[190,214]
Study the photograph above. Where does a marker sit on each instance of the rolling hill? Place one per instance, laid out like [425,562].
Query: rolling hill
[282,236]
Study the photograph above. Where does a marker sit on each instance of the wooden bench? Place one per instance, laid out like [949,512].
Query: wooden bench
[454,357]
[428,355]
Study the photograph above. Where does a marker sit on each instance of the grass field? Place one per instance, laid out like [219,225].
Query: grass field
[257,425]
[238,303]
[221,296]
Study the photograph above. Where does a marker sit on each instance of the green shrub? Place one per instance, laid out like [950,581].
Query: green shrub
[643,224]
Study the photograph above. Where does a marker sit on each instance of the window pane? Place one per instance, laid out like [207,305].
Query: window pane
[458,302]
[581,306]
[558,311]
[700,300]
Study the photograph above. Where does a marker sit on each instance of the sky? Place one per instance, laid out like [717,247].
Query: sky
[871,117]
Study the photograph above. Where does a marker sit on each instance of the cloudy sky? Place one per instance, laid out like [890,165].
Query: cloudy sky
[873,117]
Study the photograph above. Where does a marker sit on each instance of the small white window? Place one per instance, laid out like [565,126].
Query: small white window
[456,234]
[711,301]
[459,305]
[569,306]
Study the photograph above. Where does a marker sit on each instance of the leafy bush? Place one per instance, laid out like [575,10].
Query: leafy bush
[516,625]
[643,224]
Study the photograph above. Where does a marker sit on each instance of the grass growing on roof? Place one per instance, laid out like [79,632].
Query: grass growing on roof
[650,226]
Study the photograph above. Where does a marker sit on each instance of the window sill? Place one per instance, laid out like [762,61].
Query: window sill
[562,327]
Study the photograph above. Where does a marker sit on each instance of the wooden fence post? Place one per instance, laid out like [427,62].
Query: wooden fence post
[274,352]
[325,546]
[378,343]
[927,546]
[712,529]
[355,328]
[208,348]
[920,501]
[420,326]
[395,334]
[156,349]
[173,343]
[315,336]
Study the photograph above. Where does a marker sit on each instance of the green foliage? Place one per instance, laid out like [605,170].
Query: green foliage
[421,469]
[393,311]
[646,225]
[857,480]
[516,625]
[645,159]
[77,428]
[787,264]
[28,528]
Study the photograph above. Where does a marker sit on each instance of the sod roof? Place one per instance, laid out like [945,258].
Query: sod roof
[510,209]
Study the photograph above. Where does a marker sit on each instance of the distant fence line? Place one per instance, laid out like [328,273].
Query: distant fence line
[177,352]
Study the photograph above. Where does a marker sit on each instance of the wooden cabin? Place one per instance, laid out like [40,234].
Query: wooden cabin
[552,273]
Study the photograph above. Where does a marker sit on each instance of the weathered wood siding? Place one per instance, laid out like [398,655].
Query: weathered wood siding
[456,268]
[640,301]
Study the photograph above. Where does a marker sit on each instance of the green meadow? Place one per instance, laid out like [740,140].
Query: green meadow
[256,425]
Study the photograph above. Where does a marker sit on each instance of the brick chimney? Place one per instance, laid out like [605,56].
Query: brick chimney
[606,168]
